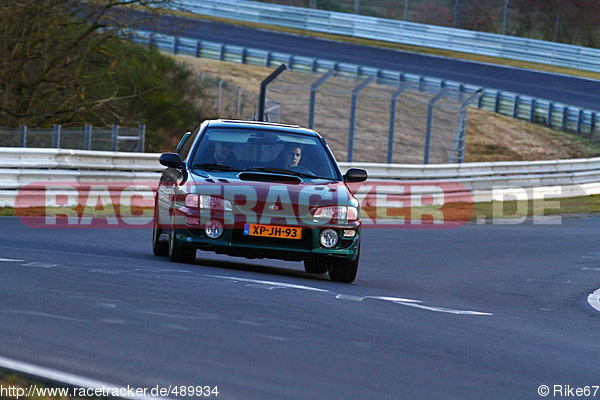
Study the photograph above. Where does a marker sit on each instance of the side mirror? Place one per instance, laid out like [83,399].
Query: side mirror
[355,175]
[171,160]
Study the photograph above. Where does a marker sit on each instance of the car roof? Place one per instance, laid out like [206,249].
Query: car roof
[230,123]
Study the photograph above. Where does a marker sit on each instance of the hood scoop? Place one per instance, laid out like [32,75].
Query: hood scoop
[268,177]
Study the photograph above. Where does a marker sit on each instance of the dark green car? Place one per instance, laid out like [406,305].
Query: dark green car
[258,190]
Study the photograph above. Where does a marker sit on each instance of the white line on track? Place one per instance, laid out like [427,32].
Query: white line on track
[594,299]
[70,379]
[10,260]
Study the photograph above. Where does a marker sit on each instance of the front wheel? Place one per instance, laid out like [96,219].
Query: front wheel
[179,253]
[343,270]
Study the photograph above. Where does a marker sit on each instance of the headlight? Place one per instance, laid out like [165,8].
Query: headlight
[328,238]
[337,212]
[207,202]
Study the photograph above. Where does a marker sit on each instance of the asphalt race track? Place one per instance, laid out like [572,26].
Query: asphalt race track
[477,312]
[569,90]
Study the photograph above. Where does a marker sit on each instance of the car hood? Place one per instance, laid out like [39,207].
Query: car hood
[272,195]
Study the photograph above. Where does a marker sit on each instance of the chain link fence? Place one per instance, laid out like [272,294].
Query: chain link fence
[376,120]
[115,138]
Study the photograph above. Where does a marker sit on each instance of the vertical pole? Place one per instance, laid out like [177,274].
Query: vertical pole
[549,117]
[430,106]
[238,109]
[405,10]
[87,137]
[56,137]
[395,96]
[505,24]
[23,136]
[557,29]
[593,126]
[456,7]
[219,95]
[532,111]
[262,97]
[142,138]
[114,137]
[313,97]
[355,92]
[356,6]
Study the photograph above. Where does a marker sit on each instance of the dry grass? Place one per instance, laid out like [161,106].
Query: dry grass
[490,136]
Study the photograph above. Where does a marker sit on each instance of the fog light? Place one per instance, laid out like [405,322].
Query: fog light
[328,238]
[213,229]
[349,233]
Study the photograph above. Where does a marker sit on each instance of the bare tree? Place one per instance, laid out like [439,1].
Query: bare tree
[52,52]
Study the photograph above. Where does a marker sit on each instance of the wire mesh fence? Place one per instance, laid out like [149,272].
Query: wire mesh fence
[375,120]
[115,138]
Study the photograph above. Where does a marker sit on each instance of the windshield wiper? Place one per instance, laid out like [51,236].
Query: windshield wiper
[216,167]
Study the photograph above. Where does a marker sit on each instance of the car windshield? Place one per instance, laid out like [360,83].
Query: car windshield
[224,149]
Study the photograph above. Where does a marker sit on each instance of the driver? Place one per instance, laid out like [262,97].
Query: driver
[292,153]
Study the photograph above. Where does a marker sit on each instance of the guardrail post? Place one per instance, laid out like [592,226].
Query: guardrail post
[549,117]
[142,138]
[198,49]
[430,106]
[532,110]
[114,137]
[221,52]
[87,137]
[313,97]
[23,136]
[244,54]
[395,96]
[565,121]
[262,97]
[593,125]
[56,137]
[497,103]
[355,92]
[175,44]
[516,106]
[580,121]
[268,59]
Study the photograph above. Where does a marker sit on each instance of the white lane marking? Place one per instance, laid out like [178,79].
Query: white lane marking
[270,284]
[254,283]
[594,299]
[70,379]
[41,314]
[443,310]
[10,260]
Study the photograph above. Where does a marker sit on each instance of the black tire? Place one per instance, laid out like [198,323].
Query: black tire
[179,253]
[343,270]
[159,248]
[315,267]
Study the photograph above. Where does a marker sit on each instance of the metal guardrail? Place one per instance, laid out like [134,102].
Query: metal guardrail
[395,31]
[551,114]
[482,181]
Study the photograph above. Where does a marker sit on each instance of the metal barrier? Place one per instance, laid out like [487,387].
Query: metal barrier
[551,114]
[481,181]
[410,33]
[115,138]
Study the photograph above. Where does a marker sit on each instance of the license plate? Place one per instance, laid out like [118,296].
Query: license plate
[284,232]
